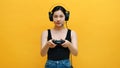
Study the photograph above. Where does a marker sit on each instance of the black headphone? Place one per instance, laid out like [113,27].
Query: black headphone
[67,14]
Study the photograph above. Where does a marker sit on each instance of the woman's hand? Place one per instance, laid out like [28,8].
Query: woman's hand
[50,44]
[66,44]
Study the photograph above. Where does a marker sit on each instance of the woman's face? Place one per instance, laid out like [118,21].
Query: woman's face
[58,18]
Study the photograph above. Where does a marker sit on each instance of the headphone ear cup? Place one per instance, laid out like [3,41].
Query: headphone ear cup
[67,16]
[50,16]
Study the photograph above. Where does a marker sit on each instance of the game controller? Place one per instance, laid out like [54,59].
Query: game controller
[58,42]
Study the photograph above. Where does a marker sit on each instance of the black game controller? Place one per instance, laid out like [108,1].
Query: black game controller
[58,42]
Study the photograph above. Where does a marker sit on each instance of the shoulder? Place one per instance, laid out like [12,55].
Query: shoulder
[73,33]
[45,32]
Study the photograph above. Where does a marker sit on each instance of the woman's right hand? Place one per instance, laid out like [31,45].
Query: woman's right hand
[50,44]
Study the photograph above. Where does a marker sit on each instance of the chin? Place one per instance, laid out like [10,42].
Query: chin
[59,25]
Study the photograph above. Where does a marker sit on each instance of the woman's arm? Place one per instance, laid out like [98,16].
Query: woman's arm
[74,45]
[46,44]
[44,47]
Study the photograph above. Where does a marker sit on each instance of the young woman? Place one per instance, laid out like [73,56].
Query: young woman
[58,53]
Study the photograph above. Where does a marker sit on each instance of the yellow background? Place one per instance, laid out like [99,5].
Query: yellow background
[96,22]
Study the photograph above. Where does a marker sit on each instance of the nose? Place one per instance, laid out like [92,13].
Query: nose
[58,18]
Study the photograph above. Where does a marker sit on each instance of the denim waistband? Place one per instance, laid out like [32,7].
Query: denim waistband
[58,64]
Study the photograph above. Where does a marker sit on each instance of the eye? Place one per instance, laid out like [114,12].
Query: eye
[55,16]
[61,16]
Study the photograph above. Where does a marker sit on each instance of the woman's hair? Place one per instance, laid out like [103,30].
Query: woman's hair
[56,8]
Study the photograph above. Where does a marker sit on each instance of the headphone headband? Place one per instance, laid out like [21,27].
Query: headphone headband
[57,4]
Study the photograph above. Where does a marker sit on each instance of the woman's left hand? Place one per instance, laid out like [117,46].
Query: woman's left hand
[66,44]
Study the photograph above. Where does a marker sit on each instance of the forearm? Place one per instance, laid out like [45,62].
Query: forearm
[44,50]
[73,50]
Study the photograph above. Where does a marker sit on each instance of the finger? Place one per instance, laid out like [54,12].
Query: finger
[64,46]
[63,43]
[52,44]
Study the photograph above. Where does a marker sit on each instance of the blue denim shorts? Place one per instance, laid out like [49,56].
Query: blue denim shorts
[58,64]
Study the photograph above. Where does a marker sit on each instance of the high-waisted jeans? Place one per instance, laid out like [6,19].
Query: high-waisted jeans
[58,64]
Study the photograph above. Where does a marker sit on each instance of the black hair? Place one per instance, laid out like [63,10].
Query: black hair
[56,8]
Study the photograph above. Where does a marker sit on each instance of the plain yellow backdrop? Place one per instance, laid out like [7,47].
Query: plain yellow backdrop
[96,22]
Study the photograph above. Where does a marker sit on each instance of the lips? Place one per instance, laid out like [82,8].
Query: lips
[58,23]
